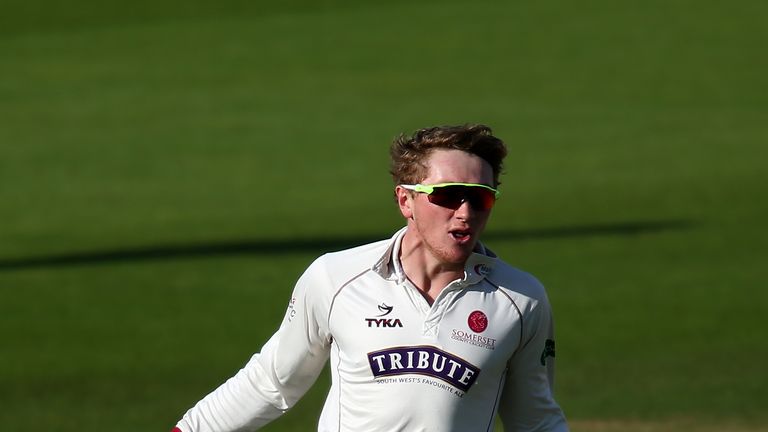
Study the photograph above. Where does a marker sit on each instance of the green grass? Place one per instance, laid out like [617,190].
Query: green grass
[150,156]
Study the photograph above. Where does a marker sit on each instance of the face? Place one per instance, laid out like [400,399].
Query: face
[446,235]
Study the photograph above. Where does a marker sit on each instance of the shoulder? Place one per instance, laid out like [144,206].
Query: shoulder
[342,266]
[525,293]
[524,289]
[331,272]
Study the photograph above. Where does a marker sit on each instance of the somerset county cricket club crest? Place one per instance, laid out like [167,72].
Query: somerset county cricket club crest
[477,321]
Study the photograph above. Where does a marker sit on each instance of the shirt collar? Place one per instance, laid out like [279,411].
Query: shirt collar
[388,266]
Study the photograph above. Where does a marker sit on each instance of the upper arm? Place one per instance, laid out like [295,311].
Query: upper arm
[278,375]
[527,402]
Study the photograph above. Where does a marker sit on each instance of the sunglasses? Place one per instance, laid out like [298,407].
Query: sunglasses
[452,195]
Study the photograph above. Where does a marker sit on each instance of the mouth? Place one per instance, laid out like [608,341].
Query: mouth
[461,236]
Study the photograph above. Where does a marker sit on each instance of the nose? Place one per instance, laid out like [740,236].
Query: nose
[465,211]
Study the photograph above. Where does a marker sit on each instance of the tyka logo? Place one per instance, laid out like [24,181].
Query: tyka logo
[384,322]
[424,360]
[386,309]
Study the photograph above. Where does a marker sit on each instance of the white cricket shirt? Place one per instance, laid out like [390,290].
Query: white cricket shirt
[485,346]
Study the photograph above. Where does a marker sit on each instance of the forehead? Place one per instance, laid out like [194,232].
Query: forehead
[444,166]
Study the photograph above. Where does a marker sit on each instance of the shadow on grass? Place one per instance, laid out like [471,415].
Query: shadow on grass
[316,245]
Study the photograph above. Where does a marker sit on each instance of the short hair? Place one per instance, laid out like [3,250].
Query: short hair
[408,154]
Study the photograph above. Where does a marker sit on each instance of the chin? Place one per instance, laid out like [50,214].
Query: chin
[458,257]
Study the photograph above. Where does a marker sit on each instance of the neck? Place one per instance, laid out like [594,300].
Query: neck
[424,270]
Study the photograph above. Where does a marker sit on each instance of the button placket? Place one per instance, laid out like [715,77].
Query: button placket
[436,312]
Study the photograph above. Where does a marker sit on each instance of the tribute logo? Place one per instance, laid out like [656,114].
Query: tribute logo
[424,360]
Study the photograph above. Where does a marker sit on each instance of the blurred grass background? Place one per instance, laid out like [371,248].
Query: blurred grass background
[168,169]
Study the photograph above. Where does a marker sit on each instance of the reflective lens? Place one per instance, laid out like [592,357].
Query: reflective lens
[453,195]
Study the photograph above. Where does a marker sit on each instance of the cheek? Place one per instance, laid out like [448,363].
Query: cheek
[482,219]
[430,213]
[484,216]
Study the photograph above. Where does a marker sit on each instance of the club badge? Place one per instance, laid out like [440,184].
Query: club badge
[477,321]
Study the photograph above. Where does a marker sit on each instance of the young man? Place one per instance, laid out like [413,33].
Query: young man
[426,331]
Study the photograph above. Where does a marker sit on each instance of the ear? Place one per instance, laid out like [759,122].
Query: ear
[404,201]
